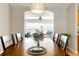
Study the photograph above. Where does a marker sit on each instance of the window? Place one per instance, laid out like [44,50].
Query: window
[32,22]
[31,27]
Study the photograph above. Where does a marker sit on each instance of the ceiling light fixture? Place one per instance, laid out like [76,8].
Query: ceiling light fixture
[40,18]
[37,8]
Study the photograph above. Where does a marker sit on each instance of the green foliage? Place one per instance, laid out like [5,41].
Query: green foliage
[66,34]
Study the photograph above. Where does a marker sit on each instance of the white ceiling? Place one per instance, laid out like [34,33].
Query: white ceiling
[47,5]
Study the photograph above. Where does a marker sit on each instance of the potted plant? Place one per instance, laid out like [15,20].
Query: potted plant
[66,34]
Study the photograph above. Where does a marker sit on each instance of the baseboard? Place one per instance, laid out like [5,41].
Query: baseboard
[71,52]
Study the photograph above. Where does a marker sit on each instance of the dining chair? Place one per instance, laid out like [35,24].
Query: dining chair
[63,42]
[19,37]
[6,41]
[56,38]
[1,47]
[14,39]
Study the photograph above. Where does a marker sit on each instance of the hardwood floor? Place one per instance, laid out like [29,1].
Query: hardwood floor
[21,48]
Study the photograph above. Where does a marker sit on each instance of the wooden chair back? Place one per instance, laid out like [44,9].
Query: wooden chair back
[14,39]
[6,41]
[56,38]
[1,47]
[64,42]
[19,37]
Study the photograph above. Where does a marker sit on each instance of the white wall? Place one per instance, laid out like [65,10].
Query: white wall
[60,19]
[17,20]
[72,27]
[4,19]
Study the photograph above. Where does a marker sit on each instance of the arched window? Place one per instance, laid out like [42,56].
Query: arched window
[33,22]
